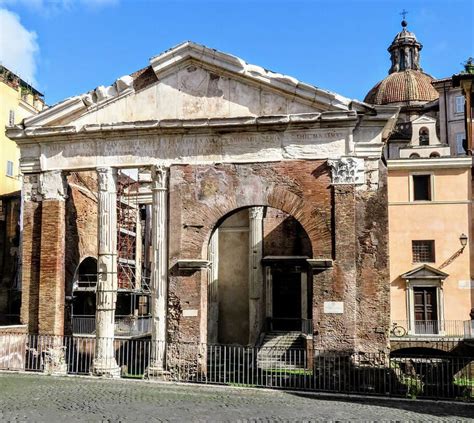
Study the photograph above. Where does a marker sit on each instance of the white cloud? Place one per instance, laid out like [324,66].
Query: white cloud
[52,7]
[18,46]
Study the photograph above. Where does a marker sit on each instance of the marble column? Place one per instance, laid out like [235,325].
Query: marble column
[159,272]
[213,289]
[106,295]
[138,250]
[255,272]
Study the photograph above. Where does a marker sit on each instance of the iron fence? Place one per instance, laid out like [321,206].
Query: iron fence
[124,325]
[377,374]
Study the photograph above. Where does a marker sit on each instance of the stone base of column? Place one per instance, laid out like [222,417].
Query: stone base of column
[55,361]
[106,369]
[157,373]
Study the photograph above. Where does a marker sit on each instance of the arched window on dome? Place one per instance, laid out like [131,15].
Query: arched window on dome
[414,156]
[402,59]
[434,154]
[424,136]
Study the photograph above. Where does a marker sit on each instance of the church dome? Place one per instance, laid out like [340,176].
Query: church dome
[405,87]
[406,83]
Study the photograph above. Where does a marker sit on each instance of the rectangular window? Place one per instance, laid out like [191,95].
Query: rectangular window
[421,187]
[459,104]
[423,251]
[460,143]
[11,118]
[9,168]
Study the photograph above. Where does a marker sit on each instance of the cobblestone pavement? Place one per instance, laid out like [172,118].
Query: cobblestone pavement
[27,397]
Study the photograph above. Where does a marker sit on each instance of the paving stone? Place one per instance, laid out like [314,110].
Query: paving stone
[29,397]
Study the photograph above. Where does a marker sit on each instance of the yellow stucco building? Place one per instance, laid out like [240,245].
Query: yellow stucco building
[18,100]
[429,202]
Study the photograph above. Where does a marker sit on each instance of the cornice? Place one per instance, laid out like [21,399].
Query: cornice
[247,123]
[430,163]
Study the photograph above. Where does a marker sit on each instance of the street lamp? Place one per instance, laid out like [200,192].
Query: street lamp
[463,240]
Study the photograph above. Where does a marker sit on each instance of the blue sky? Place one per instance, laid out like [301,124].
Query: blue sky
[67,47]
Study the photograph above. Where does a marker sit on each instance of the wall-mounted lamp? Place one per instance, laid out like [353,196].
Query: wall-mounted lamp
[463,240]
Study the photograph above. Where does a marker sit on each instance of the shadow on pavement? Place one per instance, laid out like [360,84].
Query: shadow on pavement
[431,408]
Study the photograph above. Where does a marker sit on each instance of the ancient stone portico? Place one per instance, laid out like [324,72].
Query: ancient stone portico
[214,136]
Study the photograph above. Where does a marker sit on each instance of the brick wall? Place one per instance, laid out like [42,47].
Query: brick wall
[51,279]
[31,249]
[201,196]
[341,222]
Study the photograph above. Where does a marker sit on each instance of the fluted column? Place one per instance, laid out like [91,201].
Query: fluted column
[213,289]
[255,272]
[106,294]
[159,274]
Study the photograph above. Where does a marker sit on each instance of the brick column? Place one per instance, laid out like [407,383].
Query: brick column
[106,296]
[345,277]
[255,272]
[52,271]
[159,272]
[337,290]
[30,251]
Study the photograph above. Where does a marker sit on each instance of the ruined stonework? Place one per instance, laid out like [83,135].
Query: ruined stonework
[302,166]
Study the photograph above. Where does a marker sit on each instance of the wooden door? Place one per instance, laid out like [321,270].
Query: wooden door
[426,310]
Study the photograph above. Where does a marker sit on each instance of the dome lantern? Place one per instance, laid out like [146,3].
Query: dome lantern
[405,51]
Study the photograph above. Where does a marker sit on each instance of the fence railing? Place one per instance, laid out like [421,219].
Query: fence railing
[437,328]
[381,374]
[124,325]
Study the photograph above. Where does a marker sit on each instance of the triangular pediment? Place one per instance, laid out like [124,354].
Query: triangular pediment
[423,120]
[191,81]
[424,272]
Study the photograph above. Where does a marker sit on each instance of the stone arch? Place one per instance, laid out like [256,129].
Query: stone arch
[86,269]
[258,275]
[313,223]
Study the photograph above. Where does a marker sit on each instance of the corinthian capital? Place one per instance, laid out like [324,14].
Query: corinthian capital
[158,177]
[347,170]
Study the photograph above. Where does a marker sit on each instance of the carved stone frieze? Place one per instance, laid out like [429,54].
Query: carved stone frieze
[347,170]
[53,185]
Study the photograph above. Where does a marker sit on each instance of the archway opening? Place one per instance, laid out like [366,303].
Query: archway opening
[259,276]
[84,298]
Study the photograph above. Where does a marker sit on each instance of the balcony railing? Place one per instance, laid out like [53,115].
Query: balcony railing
[434,328]
[124,325]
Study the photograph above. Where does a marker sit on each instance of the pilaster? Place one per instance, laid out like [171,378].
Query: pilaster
[213,289]
[255,272]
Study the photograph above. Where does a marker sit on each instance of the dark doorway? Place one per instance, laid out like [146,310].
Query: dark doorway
[426,310]
[286,299]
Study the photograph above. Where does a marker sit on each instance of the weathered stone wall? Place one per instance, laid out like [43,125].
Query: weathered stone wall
[373,286]
[343,222]
[200,196]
